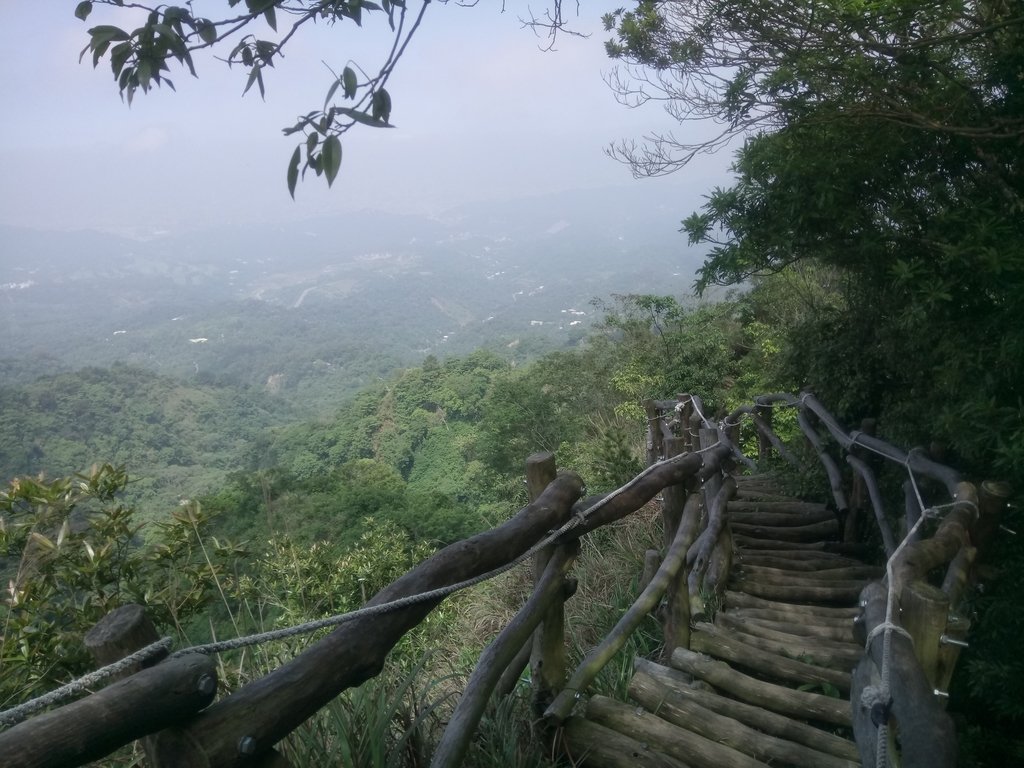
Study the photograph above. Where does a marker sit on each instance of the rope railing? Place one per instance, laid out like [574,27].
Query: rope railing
[352,652]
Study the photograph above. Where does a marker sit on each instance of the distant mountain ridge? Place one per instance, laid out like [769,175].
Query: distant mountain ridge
[355,294]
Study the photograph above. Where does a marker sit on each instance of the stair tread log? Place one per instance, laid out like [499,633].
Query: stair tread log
[782,617]
[762,517]
[833,547]
[594,745]
[842,592]
[657,694]
[778,698]
[797,557]
[775,506]
[743,600]
[712,641]
[811,532]
[763,719]
[723,619]
[862,573]
[665,737]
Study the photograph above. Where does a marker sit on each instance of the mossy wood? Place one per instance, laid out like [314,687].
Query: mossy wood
[656,695]
[124,711]
[665,737]
[550,591]
[587,743]
[757,717]
[801,704]
[712,641]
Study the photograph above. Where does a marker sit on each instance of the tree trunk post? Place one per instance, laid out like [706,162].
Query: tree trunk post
[764,445]
[685,415]
[673,497]
[924,612]
[859,495]
[655,436]
[548,658]
[992,500]
[122,632]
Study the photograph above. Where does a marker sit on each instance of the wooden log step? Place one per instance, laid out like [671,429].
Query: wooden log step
[664,737]
[809,649]
[675,707]
[782,576]
[794,610]
[783,617]
[753,494]
[816,555]
[780,518]
[590,744]
[826,529]
[762,719]
[778,698]
[800,643]
[844,592]
[812,563]
[802,629]
[835,547]
[713,641]
[775,506]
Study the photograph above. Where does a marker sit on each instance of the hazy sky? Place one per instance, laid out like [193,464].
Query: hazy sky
[480,112]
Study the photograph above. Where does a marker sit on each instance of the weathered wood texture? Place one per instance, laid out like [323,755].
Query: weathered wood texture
[712,641]
[926,731]
[271,707]
[757,628]
[124,711]
[743,600]
[598,657]
[550,590]
[673,705]
[676,625]
[672,740]
[801,704]
[589,744]
[548,658]
[757,717]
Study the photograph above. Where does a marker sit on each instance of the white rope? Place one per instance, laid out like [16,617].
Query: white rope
[21,712]
[16,714]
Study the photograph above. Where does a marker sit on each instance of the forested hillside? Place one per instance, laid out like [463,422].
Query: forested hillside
[871,237]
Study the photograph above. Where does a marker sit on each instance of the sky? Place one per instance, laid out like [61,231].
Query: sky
[481,113]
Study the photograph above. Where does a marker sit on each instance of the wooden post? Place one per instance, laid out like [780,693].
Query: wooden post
[685,415]
[764,445]
[693,433]
[122,632]
[992,501]
[655,448]
[859,494]
[673,497]
[676,628]
[924,611]
[548,658]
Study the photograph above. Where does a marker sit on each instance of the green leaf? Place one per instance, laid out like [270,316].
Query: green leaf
[330,155]
[381,105]
[83,10]
[255,76]
[293,170]
[361,117]
[207,32]
[119,56]
[348,77]
[271,18]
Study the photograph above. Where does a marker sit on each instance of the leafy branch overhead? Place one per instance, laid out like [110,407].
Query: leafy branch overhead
[142,58]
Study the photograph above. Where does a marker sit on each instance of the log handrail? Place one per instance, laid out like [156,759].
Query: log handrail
[261,713]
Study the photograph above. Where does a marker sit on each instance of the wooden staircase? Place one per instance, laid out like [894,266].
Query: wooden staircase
[766,679]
